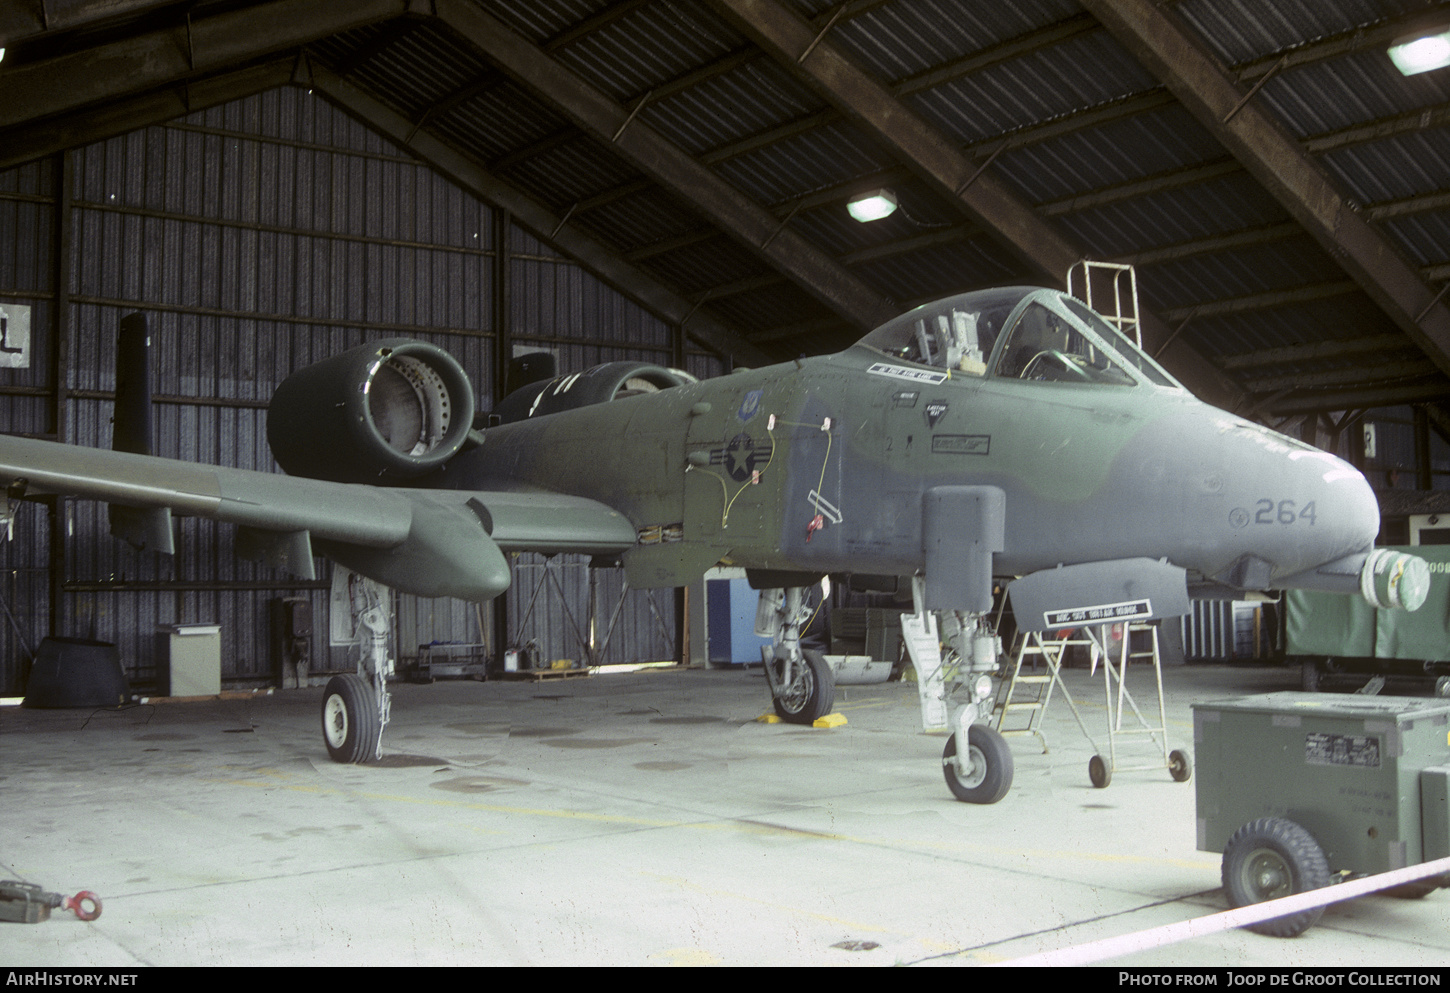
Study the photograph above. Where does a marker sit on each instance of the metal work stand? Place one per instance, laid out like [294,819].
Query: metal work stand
[1036,689]
[1031,693]
[1117,698]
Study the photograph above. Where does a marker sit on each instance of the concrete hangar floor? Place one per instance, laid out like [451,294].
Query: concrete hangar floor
[640,819]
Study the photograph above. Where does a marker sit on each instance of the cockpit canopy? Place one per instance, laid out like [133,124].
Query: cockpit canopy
[1018,332]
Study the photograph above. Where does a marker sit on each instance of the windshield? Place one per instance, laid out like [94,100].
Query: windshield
[1040,335]
[1045,346]
[1128,351]
[957,333]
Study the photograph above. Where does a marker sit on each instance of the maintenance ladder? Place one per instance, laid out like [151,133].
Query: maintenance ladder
[1031,693]
[1035,689]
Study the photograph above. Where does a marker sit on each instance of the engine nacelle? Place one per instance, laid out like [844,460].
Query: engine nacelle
[381,413]
[610,381]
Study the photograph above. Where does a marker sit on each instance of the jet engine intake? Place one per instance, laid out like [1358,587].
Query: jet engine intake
[381,413]
[602,383]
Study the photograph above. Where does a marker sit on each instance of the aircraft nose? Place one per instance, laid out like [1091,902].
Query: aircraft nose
[1292,507]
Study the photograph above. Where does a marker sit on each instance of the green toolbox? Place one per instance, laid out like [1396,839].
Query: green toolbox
[1296,788]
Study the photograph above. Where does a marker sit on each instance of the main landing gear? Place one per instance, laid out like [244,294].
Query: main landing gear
[801,681]
[355,707]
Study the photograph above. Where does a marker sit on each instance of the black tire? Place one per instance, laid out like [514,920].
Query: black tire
[1099,772]
[350,724]
[1419,889]
[1271,858]
[992,766]
[814,697]
[1309,676]
[1180,767]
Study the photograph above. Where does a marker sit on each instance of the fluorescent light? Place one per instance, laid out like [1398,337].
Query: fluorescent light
[872,206]
[1420,53]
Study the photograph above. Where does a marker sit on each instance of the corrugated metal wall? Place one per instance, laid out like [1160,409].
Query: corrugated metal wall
[259,236]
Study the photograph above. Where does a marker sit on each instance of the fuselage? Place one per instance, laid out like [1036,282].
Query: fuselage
[822,465]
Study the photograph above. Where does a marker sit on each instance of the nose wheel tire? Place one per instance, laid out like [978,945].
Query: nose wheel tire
[811,695]
[1271,858]
[351,727]
[989,773]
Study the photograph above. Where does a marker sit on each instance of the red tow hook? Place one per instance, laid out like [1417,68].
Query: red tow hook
[27,903]
[78,905]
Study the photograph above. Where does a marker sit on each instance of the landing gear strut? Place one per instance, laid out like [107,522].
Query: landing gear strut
[977,761]
[355,707]
[801,681]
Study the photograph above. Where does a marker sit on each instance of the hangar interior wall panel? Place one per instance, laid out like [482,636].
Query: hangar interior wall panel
[258,236]
[559,625]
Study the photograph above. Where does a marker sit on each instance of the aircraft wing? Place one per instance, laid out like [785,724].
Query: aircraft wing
[423,541]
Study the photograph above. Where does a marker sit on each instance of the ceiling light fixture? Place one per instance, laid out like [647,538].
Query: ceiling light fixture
[872,206]
[1421,52]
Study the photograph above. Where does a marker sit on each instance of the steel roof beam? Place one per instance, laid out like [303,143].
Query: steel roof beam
[1378,130]
[679,241]
[644,148]
[1261,301]
[22,21]
[1035,41]
[1013,48]
[1097,116]
[977,191]
[1318,350]
[1118,192]
[1371,38]
[1409,205]
[1439,419]
[1357,376]
[1351,399]
[160,58]
[912,243]
[817,326]
[1252,136]
[42,138]
[570,239]
[1216,243]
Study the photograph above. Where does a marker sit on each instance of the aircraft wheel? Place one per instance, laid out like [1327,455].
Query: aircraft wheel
[1179,766]
[1099,772]
[350,724]
[1270,858]
[990,776]
[812,694]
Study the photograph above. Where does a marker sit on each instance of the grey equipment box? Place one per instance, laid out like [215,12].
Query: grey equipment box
[1365,775]
[193,654]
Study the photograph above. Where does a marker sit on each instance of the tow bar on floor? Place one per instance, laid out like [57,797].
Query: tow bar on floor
[26,903]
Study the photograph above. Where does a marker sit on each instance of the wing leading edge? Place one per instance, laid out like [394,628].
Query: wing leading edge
[426,542]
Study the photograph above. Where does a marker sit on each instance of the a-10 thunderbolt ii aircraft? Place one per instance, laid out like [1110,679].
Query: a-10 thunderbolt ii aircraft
[1005,435]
